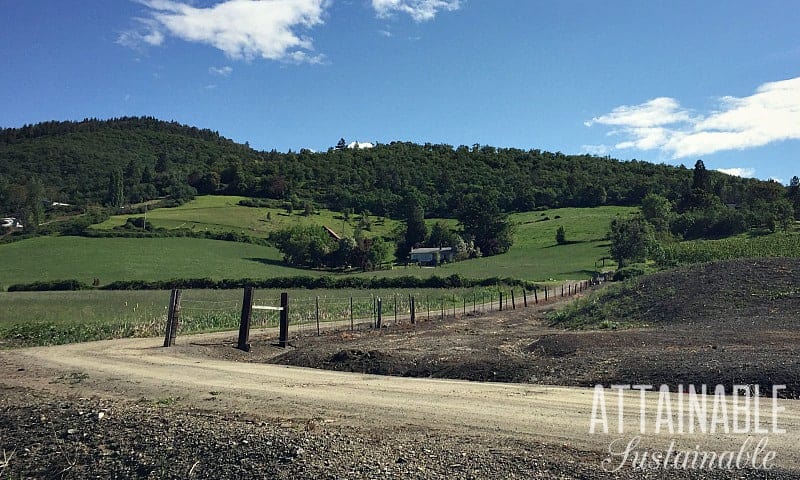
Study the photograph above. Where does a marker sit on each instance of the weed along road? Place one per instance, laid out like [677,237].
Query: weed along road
[141,368]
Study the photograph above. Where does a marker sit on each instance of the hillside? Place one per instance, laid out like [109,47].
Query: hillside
[76,163]
[534,255]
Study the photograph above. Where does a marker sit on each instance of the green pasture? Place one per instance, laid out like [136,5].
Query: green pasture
[217,213]
[534,256]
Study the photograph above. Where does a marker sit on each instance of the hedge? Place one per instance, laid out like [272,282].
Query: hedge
[297,282]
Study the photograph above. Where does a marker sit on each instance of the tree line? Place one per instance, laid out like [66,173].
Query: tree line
[133,159]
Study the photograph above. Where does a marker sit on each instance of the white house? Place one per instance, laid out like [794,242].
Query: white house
[360,145]
[427,256]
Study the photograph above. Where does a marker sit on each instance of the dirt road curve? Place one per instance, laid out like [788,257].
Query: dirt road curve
[136,368]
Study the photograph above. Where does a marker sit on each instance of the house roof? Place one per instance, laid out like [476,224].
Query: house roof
[430,250]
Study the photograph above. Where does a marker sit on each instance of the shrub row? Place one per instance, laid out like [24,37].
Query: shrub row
[52,285]
[164,233]
[325,282]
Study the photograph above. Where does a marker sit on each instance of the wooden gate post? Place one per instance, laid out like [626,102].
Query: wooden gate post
[380,314]
[513,303]
[412,303]
[244,322]
[283,335]
[535,295]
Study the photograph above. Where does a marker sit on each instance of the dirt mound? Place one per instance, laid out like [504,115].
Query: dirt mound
[372,361]
[725,295]
[556,345]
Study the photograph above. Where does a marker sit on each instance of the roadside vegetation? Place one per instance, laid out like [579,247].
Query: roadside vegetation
[49,318]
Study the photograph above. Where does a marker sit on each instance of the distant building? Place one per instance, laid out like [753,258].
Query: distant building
[360,145]
[10,222]
[427,256]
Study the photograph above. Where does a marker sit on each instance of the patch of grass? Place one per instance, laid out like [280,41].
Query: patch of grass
[614,307]
[777,244]
[217,213]
[109,259]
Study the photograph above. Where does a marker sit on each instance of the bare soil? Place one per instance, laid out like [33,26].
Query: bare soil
[130,409]
[726,323]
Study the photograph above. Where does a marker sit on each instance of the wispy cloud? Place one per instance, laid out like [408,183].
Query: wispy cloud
[596,149]
[770,115]
[221,71]
[385,33]
[419,10]
[242,29]
[739,171]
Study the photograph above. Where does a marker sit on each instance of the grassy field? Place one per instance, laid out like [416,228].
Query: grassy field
[43,318]
[110,259]
[534,255]
[216,213]
[779,244]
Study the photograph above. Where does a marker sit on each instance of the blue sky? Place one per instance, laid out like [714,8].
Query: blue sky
[658,81]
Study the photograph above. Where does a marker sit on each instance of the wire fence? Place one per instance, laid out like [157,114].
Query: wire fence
[310,314]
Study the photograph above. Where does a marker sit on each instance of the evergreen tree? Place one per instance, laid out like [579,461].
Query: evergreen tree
[700,177]
[116,189]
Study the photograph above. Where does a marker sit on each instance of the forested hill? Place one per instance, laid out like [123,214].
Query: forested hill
[76,162]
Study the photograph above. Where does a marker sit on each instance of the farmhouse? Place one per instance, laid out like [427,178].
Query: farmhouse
[428,256]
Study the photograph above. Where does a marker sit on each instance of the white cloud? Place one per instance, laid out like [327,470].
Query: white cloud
[739,171]
[770,115]
[385,33]
[596,149]
[419,10]
[221,71]
[242,29]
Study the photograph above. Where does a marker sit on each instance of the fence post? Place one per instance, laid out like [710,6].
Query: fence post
[524,298]
[173,317]
[283,337]
[395,309]
[442,305]
[501,301]
[474,306]
[351,314]
[545,293]
[317,314]
[412,303]
[562,290]
[380,314]
[535,295]
[171,307]
[513,303]
[465,306]
[428,303]
[244,322]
